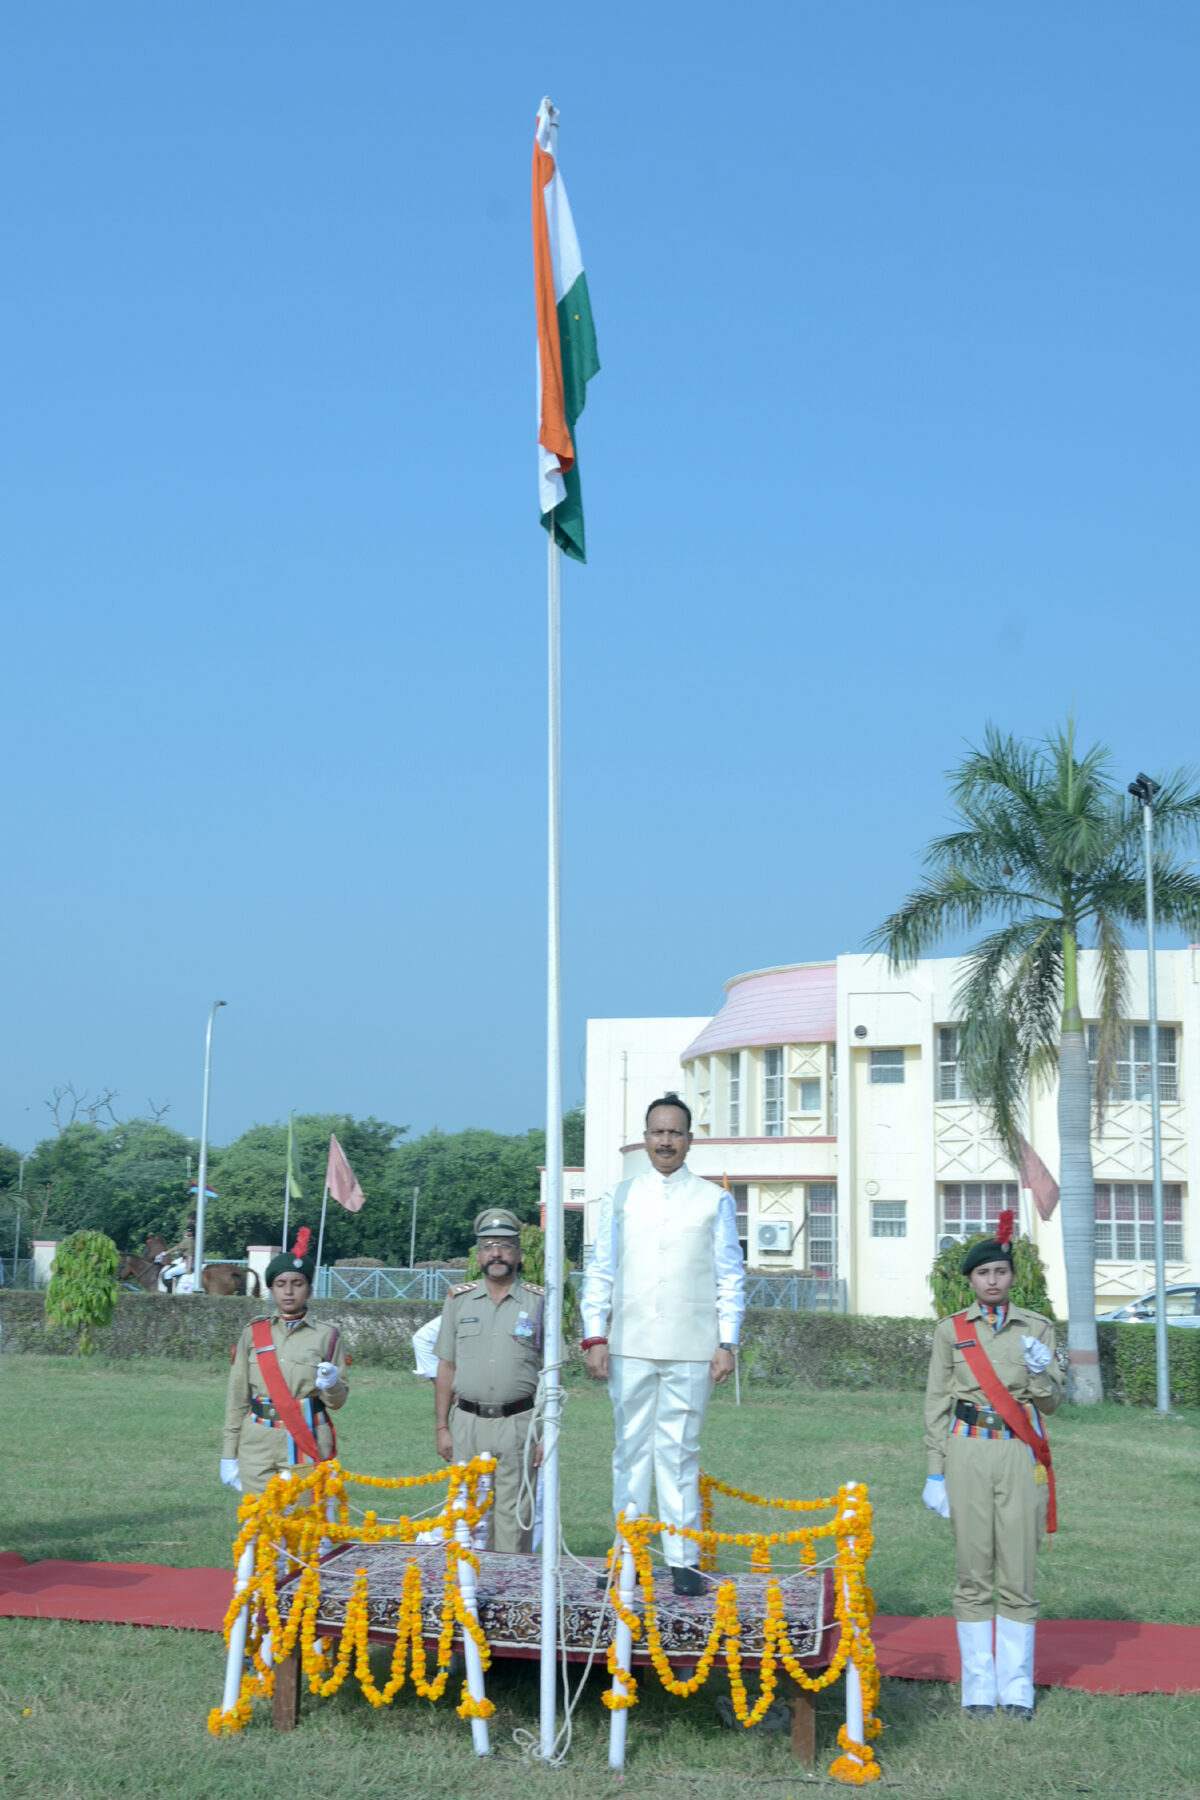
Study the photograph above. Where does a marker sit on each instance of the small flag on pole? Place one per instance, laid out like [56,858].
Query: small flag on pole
[567,357]
[340,1179]
[1037,1178]
[210,1193]
[294,1189]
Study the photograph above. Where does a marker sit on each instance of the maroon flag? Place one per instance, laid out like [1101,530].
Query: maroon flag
[1038,1179]
[341,1182]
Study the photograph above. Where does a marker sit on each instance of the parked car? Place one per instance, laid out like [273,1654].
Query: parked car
[1183,1308]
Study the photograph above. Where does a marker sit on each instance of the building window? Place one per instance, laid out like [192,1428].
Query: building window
[887,1065]
[1133,1062]
[970,1206]
[889,1218]
[822,1229]
[772,1093]
[735,1093]
[1125,1221]
[741,1202]
[810,1096]
[951,1084]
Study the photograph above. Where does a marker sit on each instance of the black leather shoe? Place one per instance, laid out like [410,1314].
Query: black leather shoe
[687,1581]
[979,1712]
[1018,1712]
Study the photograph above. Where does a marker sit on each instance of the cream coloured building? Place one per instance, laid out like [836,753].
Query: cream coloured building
[828,1096]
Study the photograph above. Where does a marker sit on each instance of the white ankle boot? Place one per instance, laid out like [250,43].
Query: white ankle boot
[1014,1662]
[978,1665]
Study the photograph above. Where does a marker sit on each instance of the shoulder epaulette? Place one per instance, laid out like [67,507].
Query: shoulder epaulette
[464,1287]
[534,1288]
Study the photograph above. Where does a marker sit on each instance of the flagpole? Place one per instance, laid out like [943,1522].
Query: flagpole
[287,1202]
[320,1243]
[552,1318]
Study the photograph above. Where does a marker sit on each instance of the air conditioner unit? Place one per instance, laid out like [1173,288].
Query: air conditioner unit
[775,1237]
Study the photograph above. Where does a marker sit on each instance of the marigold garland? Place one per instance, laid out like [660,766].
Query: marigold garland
[293,1515]
[854,1607]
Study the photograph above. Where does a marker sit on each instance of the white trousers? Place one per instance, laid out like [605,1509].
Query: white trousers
[658,1409]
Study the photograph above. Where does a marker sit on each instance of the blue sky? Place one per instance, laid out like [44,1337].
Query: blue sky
[895,434]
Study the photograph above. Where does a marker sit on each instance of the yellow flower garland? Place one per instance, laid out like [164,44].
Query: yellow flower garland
[292,1514]
[854,1606]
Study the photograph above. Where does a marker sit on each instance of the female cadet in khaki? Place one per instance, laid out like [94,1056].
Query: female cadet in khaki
[986,1481]
[310,1358]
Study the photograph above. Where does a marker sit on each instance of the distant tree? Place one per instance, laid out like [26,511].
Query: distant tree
[126,1180]
[10,1167]
[249,1174]
[573,1138]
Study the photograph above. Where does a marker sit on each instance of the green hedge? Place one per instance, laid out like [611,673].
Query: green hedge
[780,1348]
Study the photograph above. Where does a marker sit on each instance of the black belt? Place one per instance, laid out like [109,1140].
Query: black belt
[980,1415]
[261,1410]
[496,1412]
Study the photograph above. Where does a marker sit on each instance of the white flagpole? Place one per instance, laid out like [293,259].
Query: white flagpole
[552,1317]
[320,1244]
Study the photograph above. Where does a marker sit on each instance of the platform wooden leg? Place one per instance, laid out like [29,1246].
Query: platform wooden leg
[804,1725]
[287,1693]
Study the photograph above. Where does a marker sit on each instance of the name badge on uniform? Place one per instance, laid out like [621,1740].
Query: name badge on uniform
[524,1326]
[473,1320]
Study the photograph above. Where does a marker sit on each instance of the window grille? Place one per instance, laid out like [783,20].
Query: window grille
[1125,1221]
[889,1218]
[822,1229]
[971,1206]
[950,1082]
[1133,1062]
[735,1093]
[887,1066]
[810,1096]
[773,1093]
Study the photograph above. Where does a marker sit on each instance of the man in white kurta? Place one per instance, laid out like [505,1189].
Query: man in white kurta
[662,1306]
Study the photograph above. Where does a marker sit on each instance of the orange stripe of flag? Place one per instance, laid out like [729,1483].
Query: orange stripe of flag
[554,432]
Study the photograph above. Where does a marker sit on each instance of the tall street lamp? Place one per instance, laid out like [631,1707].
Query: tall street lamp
[1144,791]
[202,1187]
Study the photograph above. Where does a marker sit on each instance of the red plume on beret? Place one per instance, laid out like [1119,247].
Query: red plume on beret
[1004,1230]
[300,1247]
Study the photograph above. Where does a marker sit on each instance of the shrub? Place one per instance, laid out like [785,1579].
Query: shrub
[82,1294]
[952,1292]
[1134,1364]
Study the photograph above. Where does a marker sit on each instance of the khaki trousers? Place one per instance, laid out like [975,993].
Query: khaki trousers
[263,1452]
[999,1517]
[505,1440]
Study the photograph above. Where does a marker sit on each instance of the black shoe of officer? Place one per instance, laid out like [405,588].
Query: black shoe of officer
[980,1712]
[686,1581]
[1018,1712]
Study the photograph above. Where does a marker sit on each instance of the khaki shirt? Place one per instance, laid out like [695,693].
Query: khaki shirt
[298,1352]
[950,1379]
[496,1348]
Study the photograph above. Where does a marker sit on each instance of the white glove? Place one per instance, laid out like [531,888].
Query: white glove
[934,1496]
[327,1376]
[229,1473]
[1037,1355]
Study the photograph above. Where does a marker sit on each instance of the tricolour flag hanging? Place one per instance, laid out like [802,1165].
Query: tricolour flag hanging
[340,1179]
[567,357]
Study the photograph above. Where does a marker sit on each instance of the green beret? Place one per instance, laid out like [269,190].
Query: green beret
[295,1261]
[990,1250]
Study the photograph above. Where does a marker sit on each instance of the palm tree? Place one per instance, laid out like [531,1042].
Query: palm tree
[1049,853]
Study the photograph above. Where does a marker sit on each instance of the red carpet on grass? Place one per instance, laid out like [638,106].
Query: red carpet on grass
[1102,1656]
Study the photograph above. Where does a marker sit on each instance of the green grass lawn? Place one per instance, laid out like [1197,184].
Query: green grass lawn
[119,1463]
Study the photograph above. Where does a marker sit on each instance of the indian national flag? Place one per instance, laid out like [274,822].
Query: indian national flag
[567,357]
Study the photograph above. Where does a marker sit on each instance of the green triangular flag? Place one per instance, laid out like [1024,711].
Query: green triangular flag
[293,1179]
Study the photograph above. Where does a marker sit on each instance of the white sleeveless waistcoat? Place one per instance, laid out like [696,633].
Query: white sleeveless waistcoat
[664,1304]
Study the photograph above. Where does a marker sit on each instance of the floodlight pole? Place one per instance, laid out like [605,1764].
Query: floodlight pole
[412,1236]
[1144,790]
[202,1185]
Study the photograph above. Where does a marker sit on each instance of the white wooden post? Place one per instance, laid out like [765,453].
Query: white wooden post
[624,1648]
[237,1637]
[471,1656]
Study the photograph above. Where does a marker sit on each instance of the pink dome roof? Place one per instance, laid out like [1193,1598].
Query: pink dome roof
[793,1005]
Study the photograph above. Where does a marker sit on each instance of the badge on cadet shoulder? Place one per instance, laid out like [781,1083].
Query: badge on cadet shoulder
[524,1326]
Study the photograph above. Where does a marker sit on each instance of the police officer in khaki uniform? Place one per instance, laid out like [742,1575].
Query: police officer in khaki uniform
[489,1358]
[986,1481]
[312,1363]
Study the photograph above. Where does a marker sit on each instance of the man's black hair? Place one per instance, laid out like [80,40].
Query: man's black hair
[671,1100]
